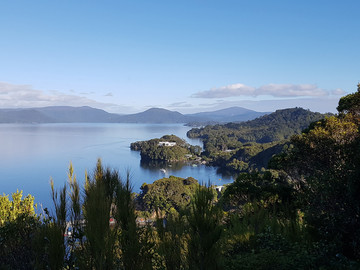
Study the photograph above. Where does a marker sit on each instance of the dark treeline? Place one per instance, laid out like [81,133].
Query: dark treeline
[301,213]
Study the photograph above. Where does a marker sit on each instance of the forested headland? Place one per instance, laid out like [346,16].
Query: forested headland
[169,148]
[303,212]
[248,146]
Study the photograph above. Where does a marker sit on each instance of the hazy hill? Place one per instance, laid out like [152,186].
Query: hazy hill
[77,114]
[56,114]
[85,114]
[232,114]
[23,116]
[155,115]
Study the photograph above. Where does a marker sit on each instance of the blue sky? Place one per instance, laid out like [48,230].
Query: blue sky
[188,56]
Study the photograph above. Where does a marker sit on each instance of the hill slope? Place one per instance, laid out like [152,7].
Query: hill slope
[23,116]
[278,125]
[232,114]
[239,147]
[77,114]
[155,115]
[56,114]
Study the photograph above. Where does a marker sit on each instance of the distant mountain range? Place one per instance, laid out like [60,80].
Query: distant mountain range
[67,114]
[232,114]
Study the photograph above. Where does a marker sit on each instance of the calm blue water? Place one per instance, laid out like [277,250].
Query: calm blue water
[32,154]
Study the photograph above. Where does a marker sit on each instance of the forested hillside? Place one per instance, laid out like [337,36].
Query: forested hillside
[156,149]
[250,145]
[276,126]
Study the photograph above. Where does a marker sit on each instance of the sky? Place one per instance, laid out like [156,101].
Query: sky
[186,56]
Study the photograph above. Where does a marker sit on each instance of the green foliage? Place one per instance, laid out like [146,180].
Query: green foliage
[324,162]
[305,215]
[49,245]
[18,223]
[99,192]
[129,241]
[167,193]
[276,126]
[151,150]
[172,240]
[243,147]
[94,243]
[350,103]
[17,208]
[269,190]
[205,230]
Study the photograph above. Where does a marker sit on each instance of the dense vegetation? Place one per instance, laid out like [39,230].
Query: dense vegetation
[166,194]
[152,150]
[239,147]
[303,213]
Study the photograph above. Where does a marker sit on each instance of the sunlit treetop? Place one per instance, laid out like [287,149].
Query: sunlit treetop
[350,103]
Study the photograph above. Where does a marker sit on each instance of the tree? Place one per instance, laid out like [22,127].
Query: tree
[350,103]
[205,230]
[99,196]
[18,224]
[325,162]
[167,193]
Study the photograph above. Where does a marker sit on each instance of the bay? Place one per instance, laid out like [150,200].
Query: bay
[32,154]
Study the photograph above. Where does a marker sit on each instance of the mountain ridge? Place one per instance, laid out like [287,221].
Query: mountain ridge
[86,114]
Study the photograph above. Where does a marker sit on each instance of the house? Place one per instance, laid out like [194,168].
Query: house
[219,188]
[167,144]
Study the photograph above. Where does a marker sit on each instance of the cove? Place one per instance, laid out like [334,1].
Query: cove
[32,154]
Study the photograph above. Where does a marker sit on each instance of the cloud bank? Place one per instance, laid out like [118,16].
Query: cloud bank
[24,96]
[275,90]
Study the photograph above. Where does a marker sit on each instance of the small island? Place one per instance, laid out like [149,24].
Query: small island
[168,148]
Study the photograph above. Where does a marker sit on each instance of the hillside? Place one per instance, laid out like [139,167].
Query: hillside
[275,126]
[155,115]
[169,148]
[56,114]
[23,116]
[77,114]
[244,146]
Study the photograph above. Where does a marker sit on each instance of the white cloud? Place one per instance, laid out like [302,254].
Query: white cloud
[24,96]
[274,90]
[291,90]
[181,104]
[232,90]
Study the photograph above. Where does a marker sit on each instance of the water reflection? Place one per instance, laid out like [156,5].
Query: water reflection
[31,154]
[156,165]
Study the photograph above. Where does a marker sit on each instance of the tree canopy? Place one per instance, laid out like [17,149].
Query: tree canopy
[244,147]
[156,149]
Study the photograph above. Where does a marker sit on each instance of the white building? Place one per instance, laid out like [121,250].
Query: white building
[219,188]
[167,143]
